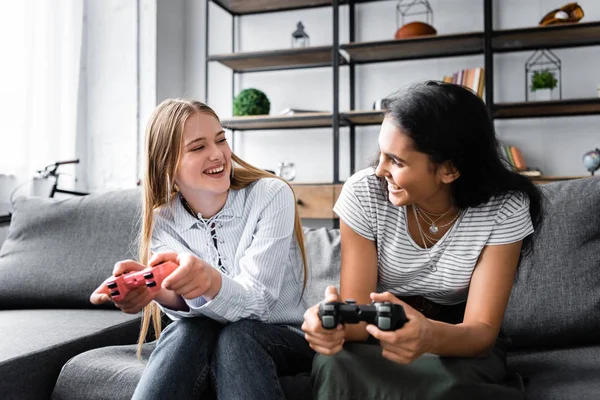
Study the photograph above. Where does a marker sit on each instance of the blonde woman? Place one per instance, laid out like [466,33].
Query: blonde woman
[236,294]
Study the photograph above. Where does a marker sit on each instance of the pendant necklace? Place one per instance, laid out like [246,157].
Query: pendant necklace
[433,228]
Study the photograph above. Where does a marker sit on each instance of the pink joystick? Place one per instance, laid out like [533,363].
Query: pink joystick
[152,277]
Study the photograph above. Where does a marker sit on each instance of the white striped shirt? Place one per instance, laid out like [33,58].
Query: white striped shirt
[258,254]
[406,269]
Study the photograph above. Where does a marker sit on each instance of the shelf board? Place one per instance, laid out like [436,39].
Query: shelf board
[548,179]
[263,122]
[5,219]
[555,108]
[420,47]
[242,7]
[553,36]
[273,60]
[358,117]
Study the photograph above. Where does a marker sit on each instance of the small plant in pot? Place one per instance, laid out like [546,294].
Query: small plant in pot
[542,84]
[251,102]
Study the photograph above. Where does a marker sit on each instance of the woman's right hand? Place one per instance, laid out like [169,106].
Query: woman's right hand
[135,300]
[324,341]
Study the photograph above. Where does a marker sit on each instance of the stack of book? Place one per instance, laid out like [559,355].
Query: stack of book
[472,78]
[514,160]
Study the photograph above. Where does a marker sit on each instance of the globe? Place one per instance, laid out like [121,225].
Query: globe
[591,160]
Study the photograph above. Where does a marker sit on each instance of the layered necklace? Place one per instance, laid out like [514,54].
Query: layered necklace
[428,218]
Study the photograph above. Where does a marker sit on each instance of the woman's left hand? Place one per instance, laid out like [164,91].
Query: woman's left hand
[407,343]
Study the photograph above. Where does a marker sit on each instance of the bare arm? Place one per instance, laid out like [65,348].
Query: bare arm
[490,288]
[358,277]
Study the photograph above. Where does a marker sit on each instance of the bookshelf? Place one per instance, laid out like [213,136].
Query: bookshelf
[556,108]
[311,57]
[259,122]
[349,55]
[555,37]
[433,46]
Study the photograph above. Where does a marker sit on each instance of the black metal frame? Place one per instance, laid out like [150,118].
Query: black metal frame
[335,64]
[492,42]
[488,55]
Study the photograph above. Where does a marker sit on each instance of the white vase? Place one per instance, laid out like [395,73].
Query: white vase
[542,95]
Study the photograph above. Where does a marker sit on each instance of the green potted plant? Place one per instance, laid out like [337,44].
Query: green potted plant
[542,84]
[251,102]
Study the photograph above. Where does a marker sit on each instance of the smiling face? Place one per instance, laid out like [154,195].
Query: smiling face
[411,176]
[204,167]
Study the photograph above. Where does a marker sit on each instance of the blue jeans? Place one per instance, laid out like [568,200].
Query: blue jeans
[241,360]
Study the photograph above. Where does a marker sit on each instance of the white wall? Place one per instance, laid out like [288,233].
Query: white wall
[110,99]
[171,54]
[555,145]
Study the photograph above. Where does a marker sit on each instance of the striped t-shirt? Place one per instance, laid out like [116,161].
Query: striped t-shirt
[251,242]
[404,268]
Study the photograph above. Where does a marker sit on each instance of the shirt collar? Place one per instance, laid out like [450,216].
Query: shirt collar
[234,207]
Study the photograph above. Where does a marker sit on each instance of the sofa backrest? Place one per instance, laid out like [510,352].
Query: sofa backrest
[323,257]
[556,297]
[58,251]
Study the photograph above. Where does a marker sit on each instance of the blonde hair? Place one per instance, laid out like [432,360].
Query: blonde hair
[164,135]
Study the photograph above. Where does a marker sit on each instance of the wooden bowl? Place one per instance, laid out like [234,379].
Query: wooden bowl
[414,29]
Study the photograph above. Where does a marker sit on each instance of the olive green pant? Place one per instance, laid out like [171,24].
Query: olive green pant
[359,371]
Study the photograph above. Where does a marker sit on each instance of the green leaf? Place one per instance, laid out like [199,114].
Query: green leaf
[543,79]
[251,102]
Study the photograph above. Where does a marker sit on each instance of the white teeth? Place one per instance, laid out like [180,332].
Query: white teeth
[215,170]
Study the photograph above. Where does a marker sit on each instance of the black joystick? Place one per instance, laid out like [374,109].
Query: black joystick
[386,316]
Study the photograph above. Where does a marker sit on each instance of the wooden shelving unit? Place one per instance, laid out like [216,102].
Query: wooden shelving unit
[558,108]
[264,122]
[554,37]
[421,47]
[487,43]
[359,118]
[549,179]
[311,57]
[245,7]
[316,200]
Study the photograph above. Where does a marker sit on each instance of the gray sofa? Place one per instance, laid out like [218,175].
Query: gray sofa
[57,252]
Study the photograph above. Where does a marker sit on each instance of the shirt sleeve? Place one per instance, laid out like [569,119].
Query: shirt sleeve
[160,235]
[254,291]
[513,222]
[350,209]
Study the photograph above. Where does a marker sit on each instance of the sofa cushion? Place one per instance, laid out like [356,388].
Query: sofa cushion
[323,254]
[559,374]
[556,297]
[36,344]
[112,373]
[58,251]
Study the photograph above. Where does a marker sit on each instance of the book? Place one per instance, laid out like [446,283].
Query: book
[472,78]
[518,159]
